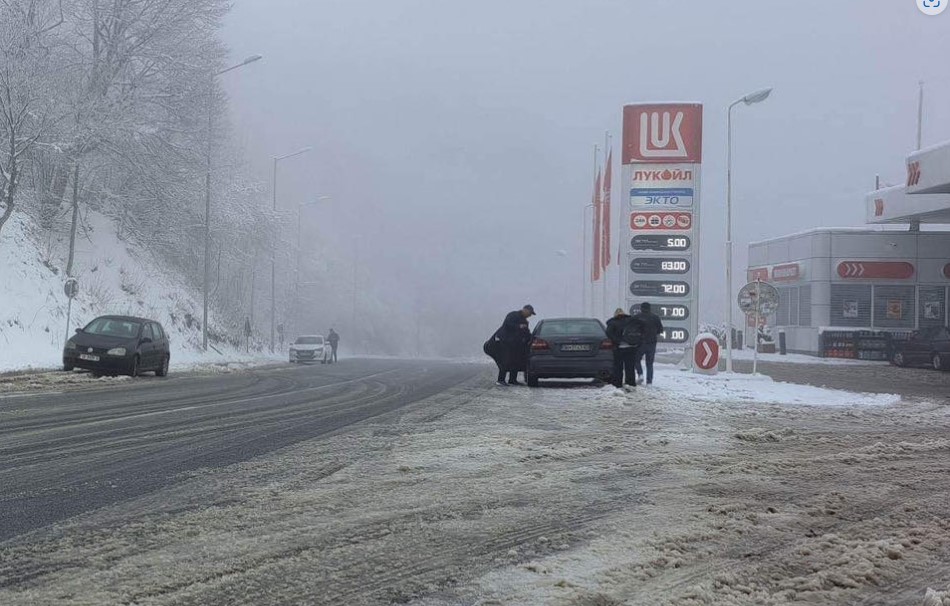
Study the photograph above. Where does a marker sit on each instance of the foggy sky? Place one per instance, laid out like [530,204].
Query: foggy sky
[455,138]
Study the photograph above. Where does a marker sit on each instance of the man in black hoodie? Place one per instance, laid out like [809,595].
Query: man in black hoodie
[652,327]
[626,334]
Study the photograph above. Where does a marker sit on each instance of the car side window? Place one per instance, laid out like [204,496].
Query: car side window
[158,332]
[147,332]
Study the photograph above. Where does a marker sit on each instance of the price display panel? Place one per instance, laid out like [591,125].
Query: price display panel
[660,265]
[661,243]
[674,334]
[662,262]
[659,288]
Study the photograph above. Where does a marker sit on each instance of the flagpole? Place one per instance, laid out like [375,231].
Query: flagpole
[605,262]
[594,226]
[585,269]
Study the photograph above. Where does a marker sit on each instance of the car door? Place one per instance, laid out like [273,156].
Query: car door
[919,347]
[147,347]
[161,344]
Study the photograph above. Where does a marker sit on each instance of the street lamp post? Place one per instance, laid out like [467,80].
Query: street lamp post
[299,246]
[751,98]
[207,226]
[273,256]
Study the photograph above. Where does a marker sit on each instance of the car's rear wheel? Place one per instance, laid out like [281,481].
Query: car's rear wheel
[162,371]
[898,359]
[68,367]
[135,368]
[940,362]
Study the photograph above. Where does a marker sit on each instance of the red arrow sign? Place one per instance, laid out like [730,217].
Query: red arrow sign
[706,354]
[875,270]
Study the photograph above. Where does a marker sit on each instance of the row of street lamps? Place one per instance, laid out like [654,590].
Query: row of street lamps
[207,223]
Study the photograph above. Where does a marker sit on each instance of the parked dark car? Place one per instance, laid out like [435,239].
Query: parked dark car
[570,348]
[926,347]
[119,345]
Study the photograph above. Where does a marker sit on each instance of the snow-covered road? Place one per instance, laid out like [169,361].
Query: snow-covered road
[695,491]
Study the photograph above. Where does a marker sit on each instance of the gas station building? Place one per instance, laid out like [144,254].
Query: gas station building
[844,291]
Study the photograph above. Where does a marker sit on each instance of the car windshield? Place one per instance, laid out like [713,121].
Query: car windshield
[113,327]
[571,328]
[309,341]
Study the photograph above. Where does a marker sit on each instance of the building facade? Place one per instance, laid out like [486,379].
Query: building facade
[839,288]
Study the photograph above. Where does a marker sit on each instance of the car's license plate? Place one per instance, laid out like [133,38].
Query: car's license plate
[89,357]
[577,347]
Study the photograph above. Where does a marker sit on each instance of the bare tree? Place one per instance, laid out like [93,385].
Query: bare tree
[28,54]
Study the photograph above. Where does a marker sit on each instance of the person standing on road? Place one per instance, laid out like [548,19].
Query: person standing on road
[334,339]
[652,328]
[509,345]
[626,333]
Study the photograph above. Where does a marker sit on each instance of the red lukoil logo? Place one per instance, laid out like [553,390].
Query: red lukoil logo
[663,133]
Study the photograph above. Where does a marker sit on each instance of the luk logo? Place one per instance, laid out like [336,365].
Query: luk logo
[932,7]
[656,133]
[913,174]
[663,133]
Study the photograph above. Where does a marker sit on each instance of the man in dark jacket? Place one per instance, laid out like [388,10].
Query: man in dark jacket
[625,333]
[510,345]
[334,340]
[652,327]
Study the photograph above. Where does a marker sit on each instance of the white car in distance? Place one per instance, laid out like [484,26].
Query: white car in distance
[309,348]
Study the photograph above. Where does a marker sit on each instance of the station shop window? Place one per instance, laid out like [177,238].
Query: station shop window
[894,306]
[932,309]
[794,308]
[804,305]
[782,315]
[851,305]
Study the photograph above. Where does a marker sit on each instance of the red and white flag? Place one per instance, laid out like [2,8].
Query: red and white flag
[596,262]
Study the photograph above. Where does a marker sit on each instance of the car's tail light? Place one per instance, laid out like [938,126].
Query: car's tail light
[539,345]
[606,344]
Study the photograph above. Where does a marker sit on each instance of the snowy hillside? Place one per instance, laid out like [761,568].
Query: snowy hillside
[115,278]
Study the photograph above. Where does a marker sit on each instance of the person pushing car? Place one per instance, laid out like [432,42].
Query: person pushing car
[508,347]
[652,328]
[626,334]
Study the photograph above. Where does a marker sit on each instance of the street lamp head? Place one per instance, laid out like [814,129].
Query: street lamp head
[757,96]
[252,59]
[315,201]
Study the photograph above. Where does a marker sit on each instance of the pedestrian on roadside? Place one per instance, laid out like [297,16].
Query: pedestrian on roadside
[334,339]
[509,345]
[626,334]
[652,328]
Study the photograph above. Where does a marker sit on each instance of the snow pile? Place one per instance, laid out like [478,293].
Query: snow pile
[114,278]
[759,388]
[937,598]
[748,355]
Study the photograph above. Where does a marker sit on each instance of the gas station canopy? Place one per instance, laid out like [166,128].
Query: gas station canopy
[925,198]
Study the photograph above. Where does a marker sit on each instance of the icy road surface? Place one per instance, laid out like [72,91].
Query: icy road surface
[460,492]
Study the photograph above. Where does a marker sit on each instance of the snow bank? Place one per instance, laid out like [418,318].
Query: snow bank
[748,354]
[758,389]
[114,278]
